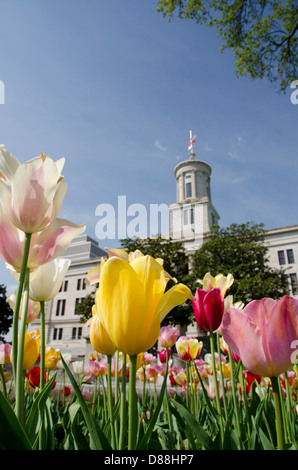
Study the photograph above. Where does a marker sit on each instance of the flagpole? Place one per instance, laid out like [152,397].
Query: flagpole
[191,153]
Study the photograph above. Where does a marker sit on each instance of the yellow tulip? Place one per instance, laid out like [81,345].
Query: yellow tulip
[226,371]
[31,349]
[99,338]
[219,281]
[52,357]
[132,301]
[188,348]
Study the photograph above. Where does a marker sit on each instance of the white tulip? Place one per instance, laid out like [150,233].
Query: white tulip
[78,367]
[67,360]
[47,280]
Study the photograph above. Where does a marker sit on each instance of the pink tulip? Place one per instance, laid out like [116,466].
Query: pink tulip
[168,336]
[96,368]
[148,358]
[32,192]
[5,351]
[262,334]
[208,308]
[44,246]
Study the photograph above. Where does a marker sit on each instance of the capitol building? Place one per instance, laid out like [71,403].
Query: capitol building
[191,216]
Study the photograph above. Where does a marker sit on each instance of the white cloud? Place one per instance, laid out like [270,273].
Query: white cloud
[233,155]
[207,147]
[159,146]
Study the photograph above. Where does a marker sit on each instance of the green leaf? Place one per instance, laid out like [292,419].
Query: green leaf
[152,423]
[197,429]
[267,445]
[12,435]
[80,441]
[34,420]
[98,440]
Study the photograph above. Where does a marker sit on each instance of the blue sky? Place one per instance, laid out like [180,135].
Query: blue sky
[115,88]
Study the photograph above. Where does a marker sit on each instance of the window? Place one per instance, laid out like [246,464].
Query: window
[188,216]
[188,189]
[294,285]
[57,334]
[79,284]
[290,256]
[60,308]
[281,257]
[76,333]
[65,286]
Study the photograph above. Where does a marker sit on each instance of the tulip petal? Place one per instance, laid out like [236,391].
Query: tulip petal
[245,339]
[118,252]
[175,296]
[123,308]
[53,241]
[282,330]
[8,163]
[93,276]
[11,242]
[47,279]
[152,276]
[99,338]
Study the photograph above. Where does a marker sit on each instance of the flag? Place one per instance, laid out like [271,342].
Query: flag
[191,142]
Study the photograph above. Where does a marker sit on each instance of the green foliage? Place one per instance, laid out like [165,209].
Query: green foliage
[175,262]
[240,250]
[6,316]
[262,33]
[84,307]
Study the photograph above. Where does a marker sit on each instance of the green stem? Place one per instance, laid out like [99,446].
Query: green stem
[166,396]
[104,397]
[187,385]
[42,369]
[144,387]
[278,414]
[123,404]
[132,400]
[224,398]
[244,395]
[18,303]
[110,400]
[19,379]
[42,345]
[216,384]
[235,402]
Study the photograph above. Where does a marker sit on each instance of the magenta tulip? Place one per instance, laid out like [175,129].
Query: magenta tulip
[262,334]
[208,308]
[163,355]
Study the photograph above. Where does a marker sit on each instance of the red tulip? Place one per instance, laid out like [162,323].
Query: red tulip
[208,308]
